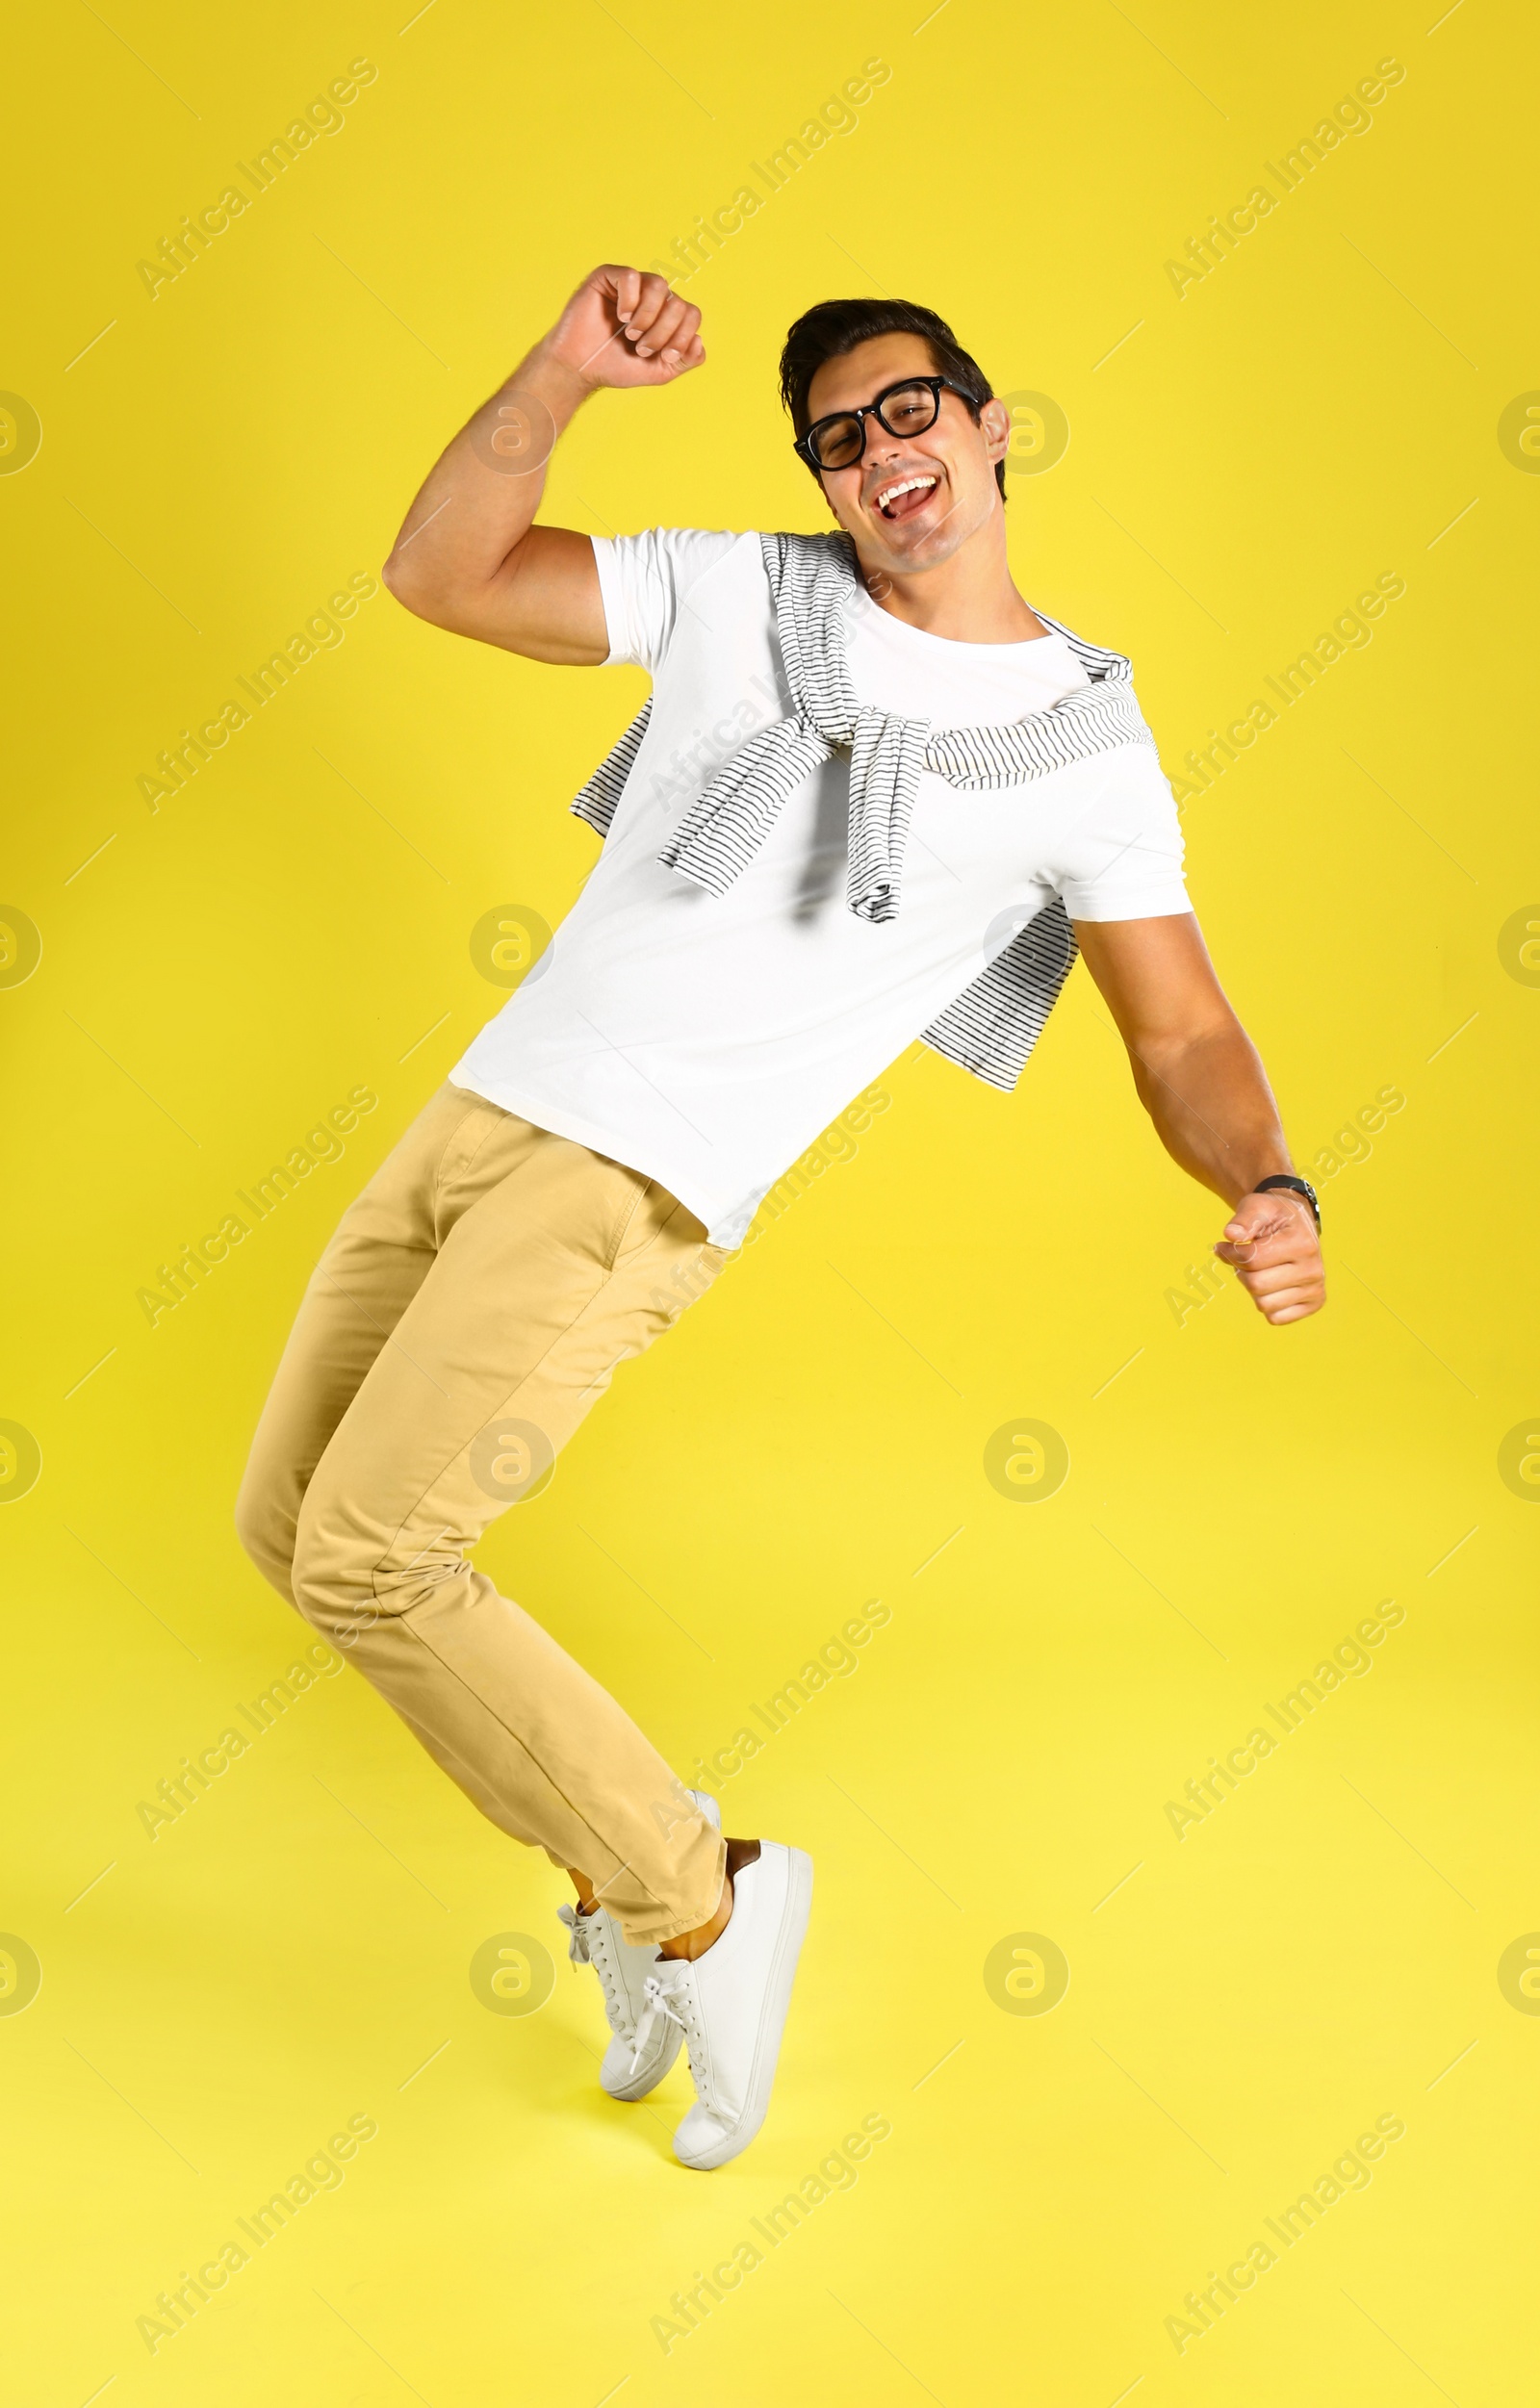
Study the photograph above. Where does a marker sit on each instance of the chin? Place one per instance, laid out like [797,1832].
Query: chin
[926,547]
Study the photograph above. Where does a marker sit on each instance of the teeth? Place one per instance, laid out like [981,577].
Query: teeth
[910,484]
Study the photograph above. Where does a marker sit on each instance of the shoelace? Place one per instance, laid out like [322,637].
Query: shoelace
[657,2004]
[581,1933]
[577,1925]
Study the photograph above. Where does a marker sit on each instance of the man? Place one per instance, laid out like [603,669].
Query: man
[870,795]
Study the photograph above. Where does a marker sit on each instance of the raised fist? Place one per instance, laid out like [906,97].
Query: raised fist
[625,327]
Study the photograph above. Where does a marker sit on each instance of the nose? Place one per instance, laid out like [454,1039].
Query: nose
[882,450]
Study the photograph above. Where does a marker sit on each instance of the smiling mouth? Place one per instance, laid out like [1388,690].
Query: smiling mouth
[906,494]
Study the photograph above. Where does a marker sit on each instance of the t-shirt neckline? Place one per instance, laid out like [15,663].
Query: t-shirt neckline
[874,613]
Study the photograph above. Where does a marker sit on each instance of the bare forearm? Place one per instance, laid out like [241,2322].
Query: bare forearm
[1200,1080]
[1213,1110]
[470,557]
[479,500]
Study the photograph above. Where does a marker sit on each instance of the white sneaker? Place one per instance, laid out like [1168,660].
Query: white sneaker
[732,2003]
[596,1939]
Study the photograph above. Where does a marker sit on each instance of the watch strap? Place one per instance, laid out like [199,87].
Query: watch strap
[1297,1185]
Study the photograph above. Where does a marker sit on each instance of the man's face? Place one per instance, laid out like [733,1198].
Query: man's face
[949,469]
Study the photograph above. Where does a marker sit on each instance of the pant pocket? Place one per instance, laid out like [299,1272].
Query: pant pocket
[470,1132]
[634,1223]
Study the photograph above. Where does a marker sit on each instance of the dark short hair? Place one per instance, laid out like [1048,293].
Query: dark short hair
[831,328]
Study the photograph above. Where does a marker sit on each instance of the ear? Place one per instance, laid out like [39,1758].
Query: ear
[995,426]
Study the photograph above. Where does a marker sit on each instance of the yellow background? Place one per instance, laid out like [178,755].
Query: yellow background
[216,974]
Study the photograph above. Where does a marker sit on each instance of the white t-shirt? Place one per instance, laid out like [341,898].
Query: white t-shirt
[706,1040]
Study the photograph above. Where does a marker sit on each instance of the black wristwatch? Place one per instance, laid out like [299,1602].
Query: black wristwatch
[1297,1186]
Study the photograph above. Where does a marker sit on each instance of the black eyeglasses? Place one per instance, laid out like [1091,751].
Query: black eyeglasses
[904,409]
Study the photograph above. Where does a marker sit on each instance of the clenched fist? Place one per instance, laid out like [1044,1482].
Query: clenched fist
[1272,1246]
[624,327]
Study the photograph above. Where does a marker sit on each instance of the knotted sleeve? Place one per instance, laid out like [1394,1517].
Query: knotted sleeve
[887,755]
[724,827]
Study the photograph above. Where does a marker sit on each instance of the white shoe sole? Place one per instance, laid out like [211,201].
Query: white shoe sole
[793,1931]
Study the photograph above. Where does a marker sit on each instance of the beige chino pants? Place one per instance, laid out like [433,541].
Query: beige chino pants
[471,1307]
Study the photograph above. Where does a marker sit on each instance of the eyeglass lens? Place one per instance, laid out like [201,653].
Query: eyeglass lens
[908,411]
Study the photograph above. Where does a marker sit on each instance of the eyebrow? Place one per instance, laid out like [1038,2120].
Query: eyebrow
[848,409]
